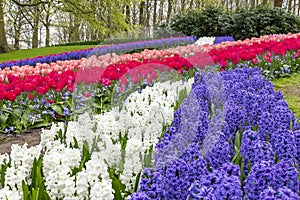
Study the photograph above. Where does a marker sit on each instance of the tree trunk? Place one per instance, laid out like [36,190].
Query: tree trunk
[142,17]
[183,5]
[252,3]
[148,11]
[294,7]
[161,11]
[290,5]
[265,2]
[154,12]
[134,14]
[191,4]
[298,10]
[35,34]
[76,29]
[169,12]
[198,4]
[47,26]
[127,10]
[3,42]
[278,3]
[237,3]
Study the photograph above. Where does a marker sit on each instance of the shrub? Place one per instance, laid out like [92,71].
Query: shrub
[241,24]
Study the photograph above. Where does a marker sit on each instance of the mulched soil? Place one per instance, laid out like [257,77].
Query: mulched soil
[31,137]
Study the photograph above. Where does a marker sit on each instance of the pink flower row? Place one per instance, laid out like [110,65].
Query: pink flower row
[105,60]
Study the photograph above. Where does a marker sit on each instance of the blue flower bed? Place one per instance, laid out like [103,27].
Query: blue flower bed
[233,137]
[220,39]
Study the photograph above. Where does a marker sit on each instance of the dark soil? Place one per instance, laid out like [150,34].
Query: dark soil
[31,137]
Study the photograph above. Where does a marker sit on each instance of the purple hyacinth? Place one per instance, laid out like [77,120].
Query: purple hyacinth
[139,196]
[219,153]
[260,177]
[286,194]
[266,125]
[176,180]
[286,175]
[196,192]
[297,142]
[225,182]
[151,184]
[263,151]
[268,194]
[284,144]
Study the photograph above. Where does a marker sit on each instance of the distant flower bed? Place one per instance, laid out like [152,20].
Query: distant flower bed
[102,50]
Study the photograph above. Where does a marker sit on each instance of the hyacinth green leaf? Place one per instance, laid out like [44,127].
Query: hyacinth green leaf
[26,195]
[137,181]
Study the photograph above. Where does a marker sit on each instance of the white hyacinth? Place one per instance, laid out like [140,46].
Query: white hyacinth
[139,120]
[205,40]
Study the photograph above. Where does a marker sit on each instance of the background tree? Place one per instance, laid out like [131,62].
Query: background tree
[3,41]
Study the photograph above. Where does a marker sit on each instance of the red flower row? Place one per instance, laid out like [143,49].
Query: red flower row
[58,81]
[249,52]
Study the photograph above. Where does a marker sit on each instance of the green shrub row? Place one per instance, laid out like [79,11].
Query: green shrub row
[90,42]
[241,24]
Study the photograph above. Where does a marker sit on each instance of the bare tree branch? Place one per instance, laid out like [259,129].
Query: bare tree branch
[28,4]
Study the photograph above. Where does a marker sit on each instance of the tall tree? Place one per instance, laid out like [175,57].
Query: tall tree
[3,41]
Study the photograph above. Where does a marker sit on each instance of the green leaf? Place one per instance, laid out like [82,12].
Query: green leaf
[25,190]
[57,108]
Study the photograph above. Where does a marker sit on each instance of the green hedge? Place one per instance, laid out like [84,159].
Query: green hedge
[90,42]
[240,24]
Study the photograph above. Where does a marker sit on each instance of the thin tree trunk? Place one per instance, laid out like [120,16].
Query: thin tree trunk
[198,4]
[290,5]
[191,4]
[134,14]
[161,11]
[35,33]
[154,12]
[3,42]
[298,11]
[237,3]
[127,10]
[252,3]
[169,12]
[294,7]
[183,5]
[278,3]
[148,13]
[265,2]
[47,27]
[142,17]
[17,36]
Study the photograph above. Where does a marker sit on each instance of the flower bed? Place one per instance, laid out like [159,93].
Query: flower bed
[252,150]
[76,55]
[37,100]
[71,167]
[232,133]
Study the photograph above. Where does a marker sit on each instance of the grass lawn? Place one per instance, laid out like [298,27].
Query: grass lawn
[31,53]
[290,88]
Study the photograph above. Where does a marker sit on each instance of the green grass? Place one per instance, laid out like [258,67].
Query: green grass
[290,88]
[31,53]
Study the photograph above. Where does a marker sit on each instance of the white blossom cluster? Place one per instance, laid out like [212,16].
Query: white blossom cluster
[21,161]
[140,121]
[205,40]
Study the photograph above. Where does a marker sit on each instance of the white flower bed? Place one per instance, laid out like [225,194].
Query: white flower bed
[205,40]
[140,121]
